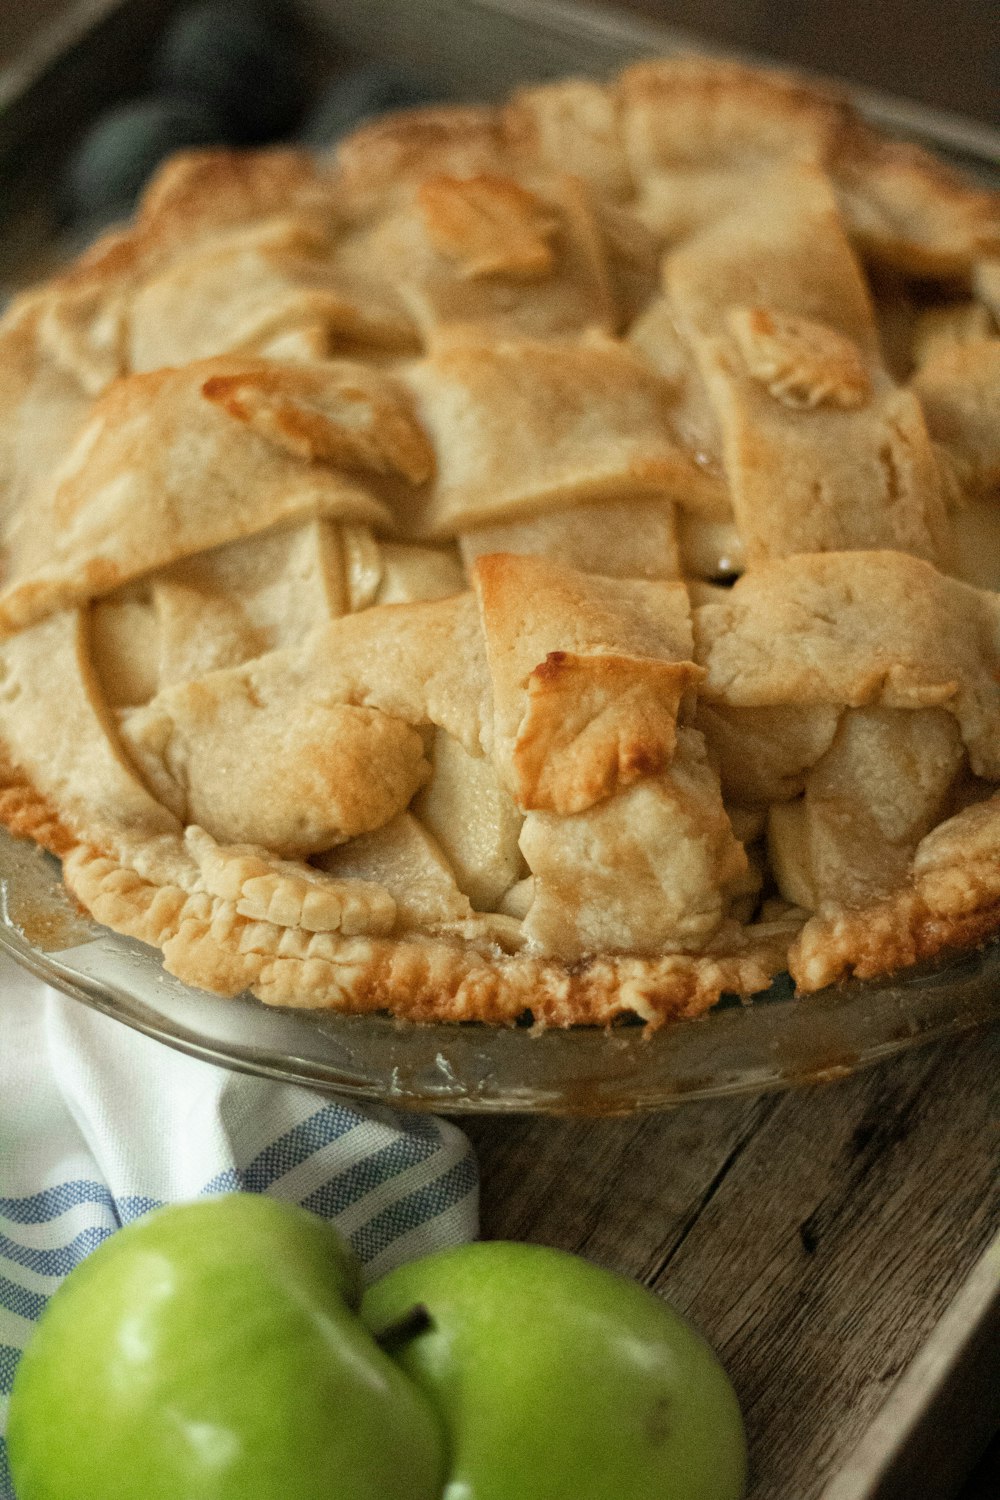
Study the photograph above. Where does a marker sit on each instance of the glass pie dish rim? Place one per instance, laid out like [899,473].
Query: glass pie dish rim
[773,1042]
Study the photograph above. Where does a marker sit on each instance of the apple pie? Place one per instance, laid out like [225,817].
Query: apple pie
[543,559]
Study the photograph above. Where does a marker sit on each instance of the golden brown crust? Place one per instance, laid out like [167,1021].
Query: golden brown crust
[905,208]
[212,946]
[341,414]
[884,940]
[386,156]
[855,628]
[207,943]
[489,225]
[951,903]
[959,390]
[686,111]
[909,211]
[588,676]
[29,815]
[526,426]
[594,725]
[571,125]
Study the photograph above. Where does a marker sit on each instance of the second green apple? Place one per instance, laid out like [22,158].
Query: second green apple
[556,1380]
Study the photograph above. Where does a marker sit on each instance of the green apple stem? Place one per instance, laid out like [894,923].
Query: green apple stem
[397,1335]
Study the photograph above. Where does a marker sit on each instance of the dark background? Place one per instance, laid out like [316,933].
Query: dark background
[943,52]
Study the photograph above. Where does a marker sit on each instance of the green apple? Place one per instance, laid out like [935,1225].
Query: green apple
[556,1380]
[212,1351]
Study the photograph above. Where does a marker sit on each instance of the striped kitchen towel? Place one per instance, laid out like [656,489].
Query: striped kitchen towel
[99,1125]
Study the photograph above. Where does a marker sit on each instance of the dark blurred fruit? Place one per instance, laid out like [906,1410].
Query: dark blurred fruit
[358,95]
[234,58]
[125,144]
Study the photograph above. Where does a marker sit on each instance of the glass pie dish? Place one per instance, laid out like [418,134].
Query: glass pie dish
[775,1042]
[124,660]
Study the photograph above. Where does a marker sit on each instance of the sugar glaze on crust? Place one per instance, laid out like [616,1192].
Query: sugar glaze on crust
[370,637]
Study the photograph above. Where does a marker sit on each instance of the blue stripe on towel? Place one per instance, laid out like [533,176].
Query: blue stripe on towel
[416,1208]
[17,1299]
[371,1172]
[228,1181]
[292,1149]
[39,1208]
[9,1357]
[52,1203]
[59,1261]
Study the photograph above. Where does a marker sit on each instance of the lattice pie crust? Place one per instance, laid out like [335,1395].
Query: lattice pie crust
[543,559]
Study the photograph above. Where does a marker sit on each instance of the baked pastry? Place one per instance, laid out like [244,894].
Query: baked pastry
[544,559]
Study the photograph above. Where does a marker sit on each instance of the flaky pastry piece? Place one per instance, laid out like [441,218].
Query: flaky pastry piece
[856,697]
[855,629]
[366,520]
[588,676]
[178,461]
[525,426]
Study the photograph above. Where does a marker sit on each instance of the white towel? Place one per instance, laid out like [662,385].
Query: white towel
[99,1124]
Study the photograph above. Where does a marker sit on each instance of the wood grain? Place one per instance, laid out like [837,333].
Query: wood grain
[816,1236]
